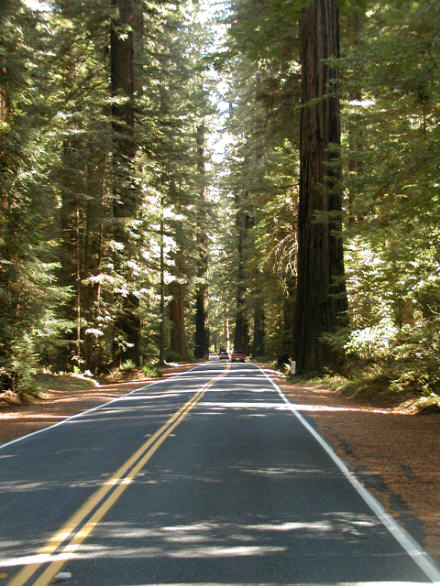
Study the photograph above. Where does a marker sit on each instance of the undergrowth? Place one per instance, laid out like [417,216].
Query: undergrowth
[379,387]
[42,383]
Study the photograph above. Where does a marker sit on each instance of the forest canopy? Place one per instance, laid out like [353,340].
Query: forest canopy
[181,177]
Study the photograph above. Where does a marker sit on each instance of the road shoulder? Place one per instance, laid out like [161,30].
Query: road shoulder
[17,420]
[394,454]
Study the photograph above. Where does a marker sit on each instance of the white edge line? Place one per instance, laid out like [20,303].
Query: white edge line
[420,557]
[81,413]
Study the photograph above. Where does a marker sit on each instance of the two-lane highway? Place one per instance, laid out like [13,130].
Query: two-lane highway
[208,477]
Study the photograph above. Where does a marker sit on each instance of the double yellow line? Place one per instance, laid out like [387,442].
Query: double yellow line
[67,540]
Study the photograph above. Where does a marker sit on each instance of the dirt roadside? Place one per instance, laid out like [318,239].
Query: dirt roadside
[19,420]
[394,454]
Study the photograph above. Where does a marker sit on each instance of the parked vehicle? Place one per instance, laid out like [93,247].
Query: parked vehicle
[223,355]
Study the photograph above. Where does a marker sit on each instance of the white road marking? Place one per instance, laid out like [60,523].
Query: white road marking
[406,541]
[82,413]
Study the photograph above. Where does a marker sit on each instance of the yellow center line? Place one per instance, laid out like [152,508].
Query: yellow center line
[121,480]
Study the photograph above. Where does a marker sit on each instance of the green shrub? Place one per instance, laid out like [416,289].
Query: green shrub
[177,357]
[128,365]
[151,370]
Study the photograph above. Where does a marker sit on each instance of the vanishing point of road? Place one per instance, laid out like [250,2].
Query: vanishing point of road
[208,477]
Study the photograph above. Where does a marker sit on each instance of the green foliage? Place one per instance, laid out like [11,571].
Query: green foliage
[177,357]
[265,29]
[260,185]
[67,265]
[29,293]
[151,370]
[128,365]
[391,152]
[57,181]
[42,383]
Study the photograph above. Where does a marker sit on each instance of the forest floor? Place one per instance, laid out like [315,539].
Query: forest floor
[395,454]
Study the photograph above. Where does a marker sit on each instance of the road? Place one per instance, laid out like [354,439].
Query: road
[210,477]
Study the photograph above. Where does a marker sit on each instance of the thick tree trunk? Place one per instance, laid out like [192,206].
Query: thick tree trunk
[201,340]
[241,332]
[177,319]
[258,339]
[162,289]
[286,342]
[201,337]
[69,273]
[127,326]
[3,136]
[92,257]
[354,129]
[226,330]
[321,294]
[122,79]
[259,333]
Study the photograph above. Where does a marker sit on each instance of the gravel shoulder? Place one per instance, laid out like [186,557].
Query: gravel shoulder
[396,455]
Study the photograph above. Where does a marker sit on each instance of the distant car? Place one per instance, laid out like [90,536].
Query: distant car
[241,356]
[223,355]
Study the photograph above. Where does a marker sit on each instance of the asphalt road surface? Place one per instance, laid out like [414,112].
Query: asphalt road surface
[210,477]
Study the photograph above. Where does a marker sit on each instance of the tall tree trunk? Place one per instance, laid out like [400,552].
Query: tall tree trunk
[226,331]
[258,339]
[162,288]
[354,129]
[6,379]
[92,258]
[69,273]
[177,318]
[128,325]
[259,333]
[286,342]
[241,333]
[201,337]
[321,296]
[122,79]
[69,270]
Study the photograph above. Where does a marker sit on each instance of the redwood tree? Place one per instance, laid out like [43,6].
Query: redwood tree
[201,335]
[321,298]
[241,332]
[127,338]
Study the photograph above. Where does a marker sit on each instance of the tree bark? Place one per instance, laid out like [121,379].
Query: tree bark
[286,341]
[177,319]
[127,326]
[201,336]
[226,331]
[258,338]
[69,272]
[321,296]
[122,81]
[92,259]
[354,126]
[241,332]
[259,332]
[162,288]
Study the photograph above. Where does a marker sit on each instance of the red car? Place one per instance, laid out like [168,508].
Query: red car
[241,356]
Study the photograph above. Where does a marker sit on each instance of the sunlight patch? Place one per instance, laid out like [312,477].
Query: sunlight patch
[233,551]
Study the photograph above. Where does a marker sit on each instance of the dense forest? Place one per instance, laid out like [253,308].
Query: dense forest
[178,177]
